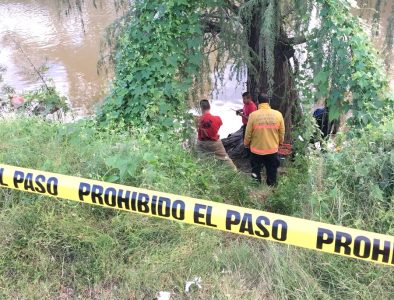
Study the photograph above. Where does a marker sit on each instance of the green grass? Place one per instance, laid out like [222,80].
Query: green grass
[52,249]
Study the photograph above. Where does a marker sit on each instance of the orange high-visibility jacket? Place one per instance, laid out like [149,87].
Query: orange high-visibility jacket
[265,130]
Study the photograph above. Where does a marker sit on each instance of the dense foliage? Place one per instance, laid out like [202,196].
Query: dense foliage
[162,46]
[347,71]
[353,185]
[158,55]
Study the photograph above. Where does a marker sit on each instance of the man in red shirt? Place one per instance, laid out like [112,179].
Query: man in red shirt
[208,138]
[249,107]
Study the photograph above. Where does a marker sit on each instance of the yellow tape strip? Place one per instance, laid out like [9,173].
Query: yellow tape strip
[318,236]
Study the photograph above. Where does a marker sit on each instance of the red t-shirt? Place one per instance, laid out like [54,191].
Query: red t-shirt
[247,110]
[208,127]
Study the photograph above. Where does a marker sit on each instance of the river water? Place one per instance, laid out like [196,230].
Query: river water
[37,32]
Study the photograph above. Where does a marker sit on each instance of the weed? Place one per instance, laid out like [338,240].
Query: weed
[60,249]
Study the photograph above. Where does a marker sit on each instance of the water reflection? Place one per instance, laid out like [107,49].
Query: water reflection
[225,100]
[38,30]
[32,30]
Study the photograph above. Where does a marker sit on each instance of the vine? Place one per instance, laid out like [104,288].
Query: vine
[269,35]
[158,57]
[347,72]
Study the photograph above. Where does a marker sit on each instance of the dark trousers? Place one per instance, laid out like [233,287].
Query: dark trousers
[246,150]
[271,164]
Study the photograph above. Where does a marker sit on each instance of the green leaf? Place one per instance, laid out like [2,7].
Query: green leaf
[149,157]
[322,77]
[111,178]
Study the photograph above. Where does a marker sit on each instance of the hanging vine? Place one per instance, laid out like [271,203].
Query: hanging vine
[347,72]
[158,56]
[163,45]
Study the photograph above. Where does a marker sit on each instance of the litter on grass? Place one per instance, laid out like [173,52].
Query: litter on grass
[196,281]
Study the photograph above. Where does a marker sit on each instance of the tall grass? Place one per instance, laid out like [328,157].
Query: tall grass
[352,186]
[56,249]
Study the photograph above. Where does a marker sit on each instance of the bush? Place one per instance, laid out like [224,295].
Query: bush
[358,181]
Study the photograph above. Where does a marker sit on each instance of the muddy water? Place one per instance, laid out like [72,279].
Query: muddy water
[37,32]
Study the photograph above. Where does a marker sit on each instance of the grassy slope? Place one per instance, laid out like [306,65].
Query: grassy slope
[60,249]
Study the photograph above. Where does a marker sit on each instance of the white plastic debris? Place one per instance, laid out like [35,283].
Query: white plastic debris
[300,138]
[156,16]
[164,295]
[196,281]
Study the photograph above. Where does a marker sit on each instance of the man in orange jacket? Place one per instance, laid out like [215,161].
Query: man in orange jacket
[264,133]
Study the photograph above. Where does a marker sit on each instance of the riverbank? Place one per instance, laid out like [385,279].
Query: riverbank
[59,249]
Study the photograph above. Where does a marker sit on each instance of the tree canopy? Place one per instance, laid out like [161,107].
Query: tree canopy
[296,51]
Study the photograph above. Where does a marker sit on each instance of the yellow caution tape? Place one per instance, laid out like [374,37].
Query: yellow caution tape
[318,236]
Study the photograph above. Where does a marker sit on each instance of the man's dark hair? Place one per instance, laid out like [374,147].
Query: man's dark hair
[263,98]
[246,94]
[204,104]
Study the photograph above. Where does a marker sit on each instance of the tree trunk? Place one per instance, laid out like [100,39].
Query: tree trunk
[284,94]
[256,73]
